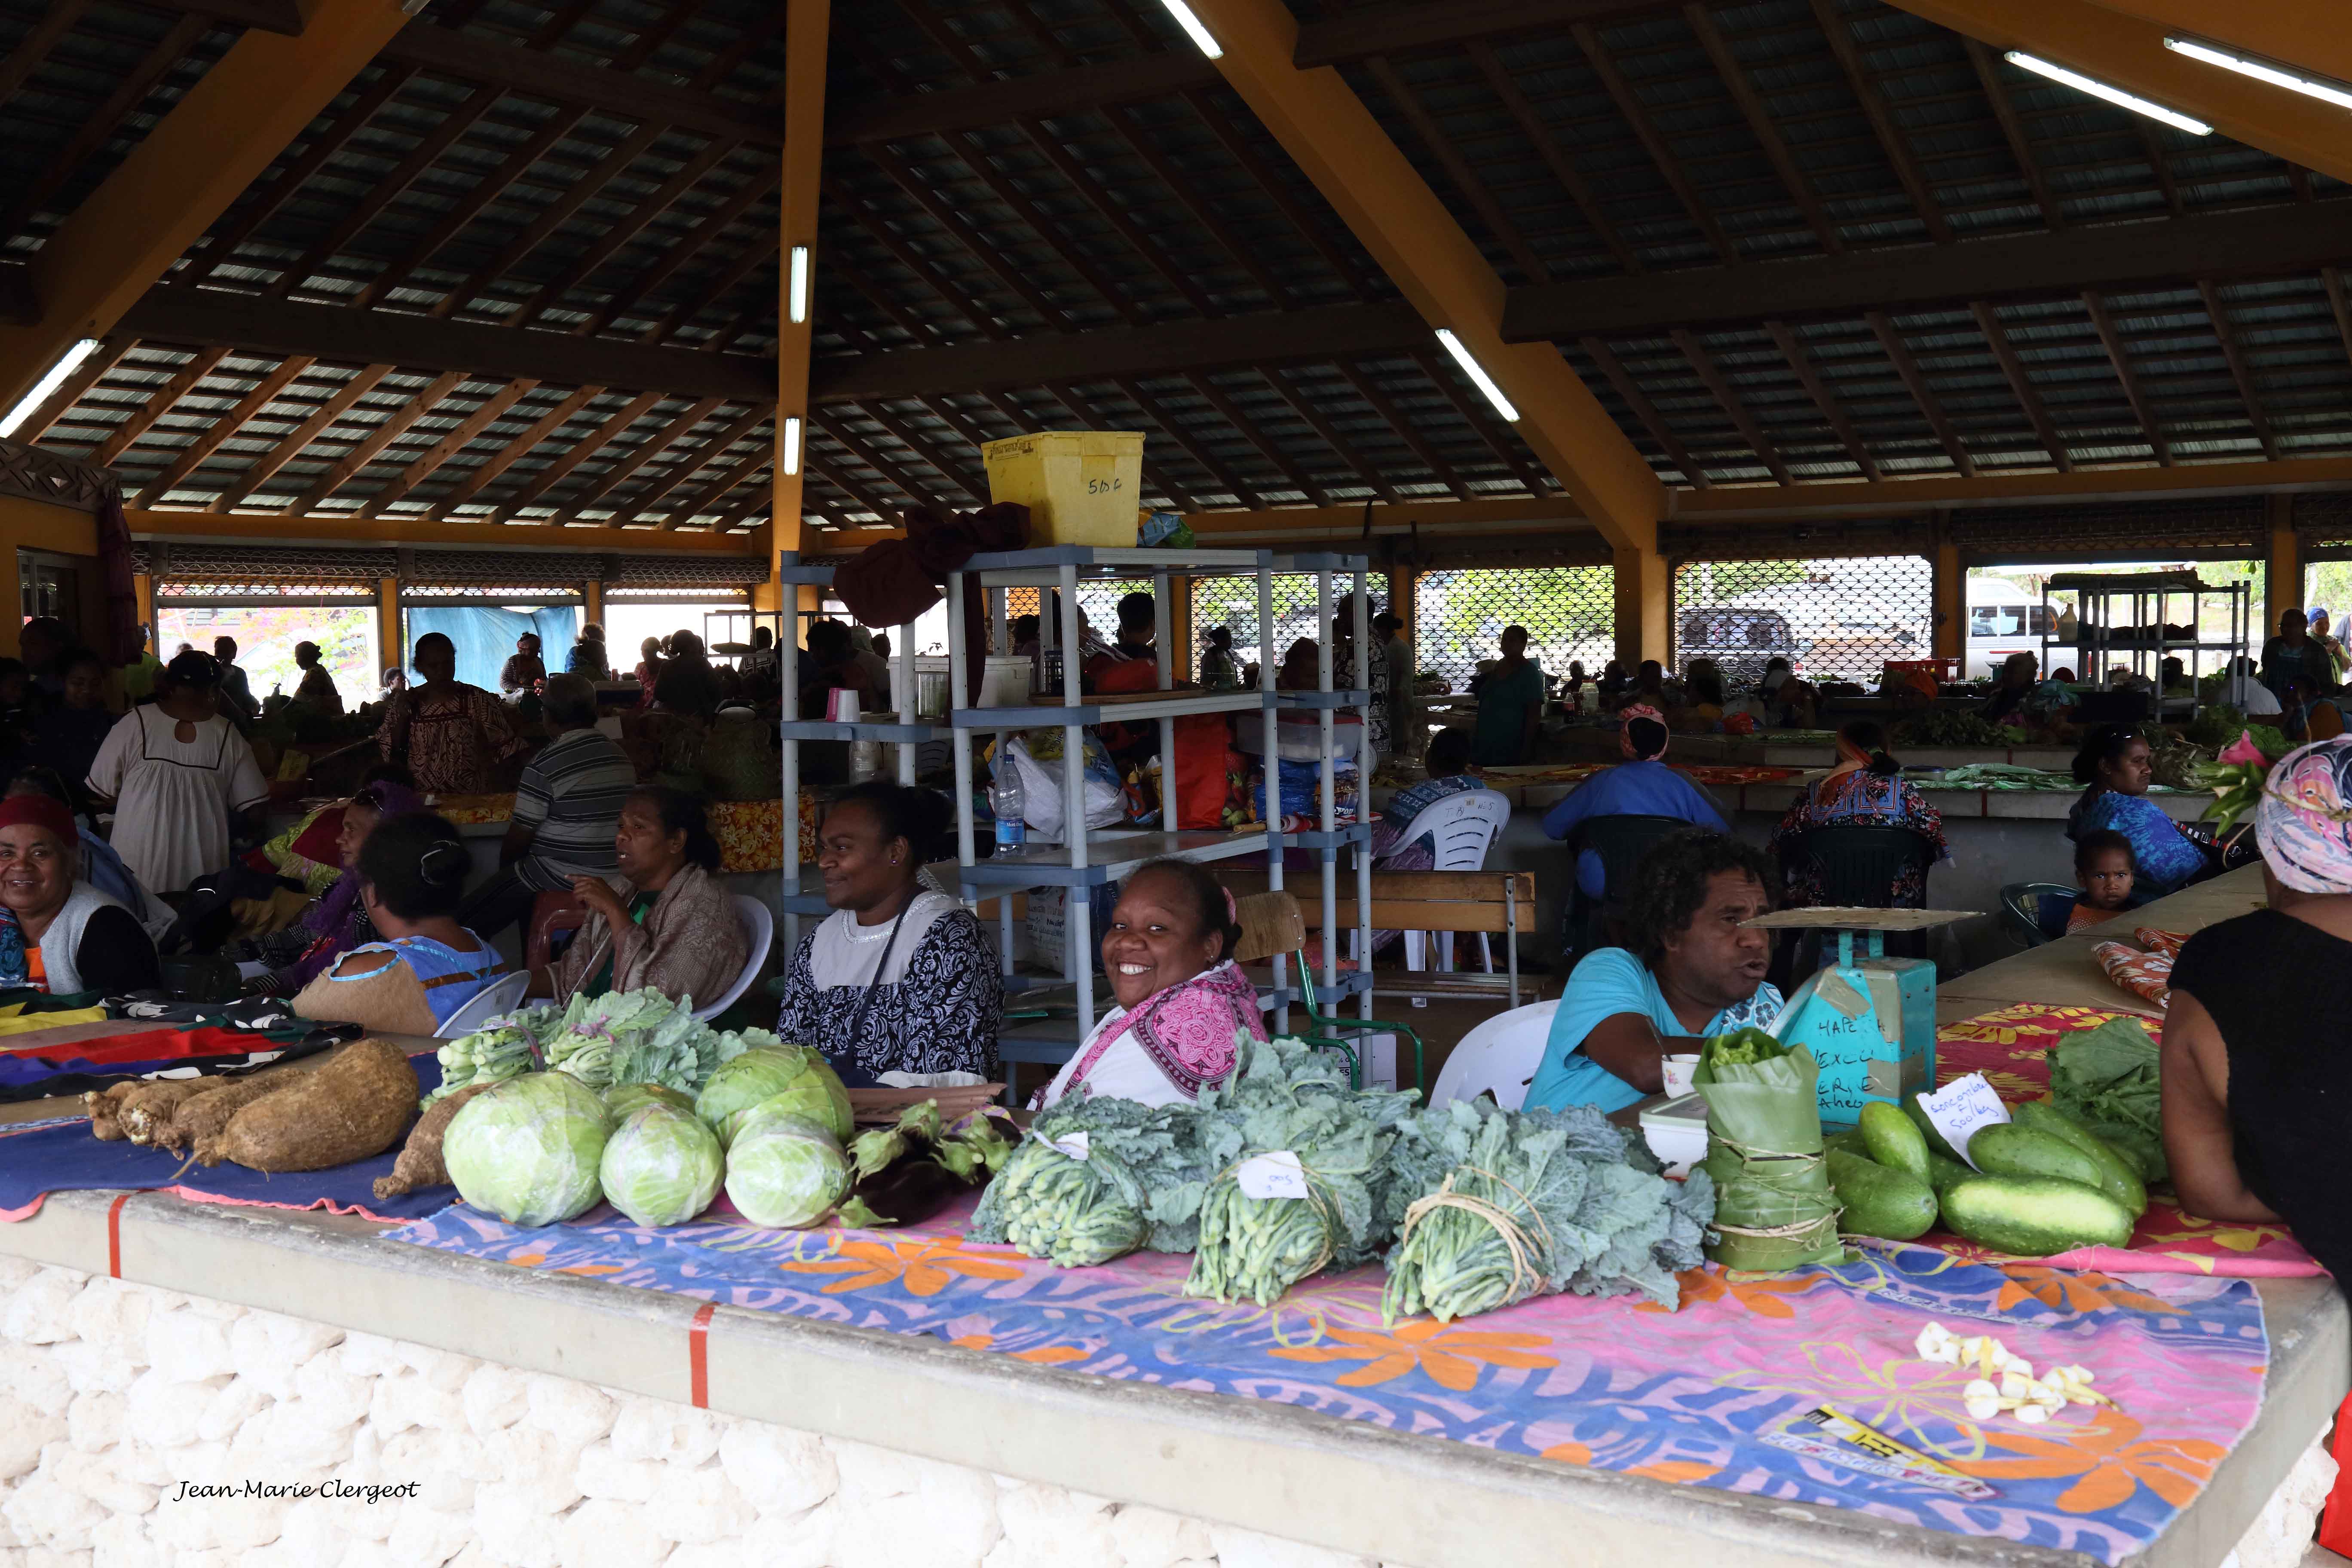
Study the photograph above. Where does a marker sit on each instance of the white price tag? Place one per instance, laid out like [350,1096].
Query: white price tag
[1075,1145]
[1275,1175]
[1961,1108]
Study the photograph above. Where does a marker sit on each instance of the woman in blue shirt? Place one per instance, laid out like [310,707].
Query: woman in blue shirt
[1695,970]
[412,871]
[1641,785]
[2114,765]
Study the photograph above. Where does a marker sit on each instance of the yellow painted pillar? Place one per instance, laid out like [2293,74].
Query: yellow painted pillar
[592,600]
[387,624]
[2285,588]
[1644,605]
[1950,594]
[1179,627]
[805,25]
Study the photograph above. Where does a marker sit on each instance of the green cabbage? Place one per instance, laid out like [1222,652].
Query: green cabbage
[765,1072]
[527,1150]
[787,1172]
[623,1098]
[662,1165]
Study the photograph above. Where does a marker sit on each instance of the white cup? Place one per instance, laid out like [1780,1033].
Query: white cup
[1678,1071]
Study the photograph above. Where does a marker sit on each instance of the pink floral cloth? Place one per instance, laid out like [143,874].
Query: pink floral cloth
[1186,1033]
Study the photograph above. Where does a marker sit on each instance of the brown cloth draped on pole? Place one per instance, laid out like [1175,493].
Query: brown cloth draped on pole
[893,583]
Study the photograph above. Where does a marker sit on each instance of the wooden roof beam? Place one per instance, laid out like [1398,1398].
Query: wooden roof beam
[259,472]
[1719,387]
[2120,358]
[572,455]
[644,452]
[1867,94]
[1762,125]
[214,142]
[143,417]
[87,374]
[1898,354]
[1613,370]
[638,503]
[2241,372]
[422,467]
[1808,376]
[499,462]
[376,441]
[2013,367]
[2012,128]
[220,428]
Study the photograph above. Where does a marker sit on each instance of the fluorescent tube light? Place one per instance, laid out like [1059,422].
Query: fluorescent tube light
[2113,95]
[2310,87]
[1477,374]
[42,388]
[1193,30]
[797,295]
[789,454]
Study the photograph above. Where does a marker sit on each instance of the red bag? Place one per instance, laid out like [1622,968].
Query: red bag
[2335,1520]
[1195,784]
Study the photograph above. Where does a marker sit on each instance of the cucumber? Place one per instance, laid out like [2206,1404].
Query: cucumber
[1893,1142]
[1936,1141]
[1880,1201]
[2008,1149]
[2118,1177]
[1850,1139]
[1943,1170]
[2033,1217]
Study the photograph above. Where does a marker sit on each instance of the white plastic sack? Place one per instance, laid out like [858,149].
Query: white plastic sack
[1041,793]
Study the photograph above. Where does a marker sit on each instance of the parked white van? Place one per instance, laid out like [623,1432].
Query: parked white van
[2003,618]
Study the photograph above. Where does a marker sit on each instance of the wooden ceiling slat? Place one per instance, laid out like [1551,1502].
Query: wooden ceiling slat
[1662,157]
[2120,358]
[612,235]
[974,157]
[2332,280]
[711,494]
[449,446]
[222,426]
[145,416]
[455,122]
[1175,431]
[818,469]
[708,227]
[546,425]
[1475,415]
[549,219]
[711,451]
[1142,247]
[965,475]
[1344,449]
[1751,107]
[301,436]
[1248,429]
[103,358]
[1408,430]
[2036,413]
[1898,354]
[539,483]
[765,242]
[1319,233]
[464,210]
[1644,411]
[1891,140]
[1727,398]
[2249,391]
[836,429]
[220,249]
[1546,145]
[1801,361]
[25,56]
[645,451]
[981,320]
[2012,129]
[1457,169]
[376,441]
[129,93]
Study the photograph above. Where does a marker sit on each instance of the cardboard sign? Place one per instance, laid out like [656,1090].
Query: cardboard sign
[1075,1145]
[1961,1108]
[1275,1175]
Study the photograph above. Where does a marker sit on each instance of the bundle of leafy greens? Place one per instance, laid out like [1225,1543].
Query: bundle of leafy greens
[2107,1079]
[1773,1207]
[640,1036]
[1096,1179]
[1301,1161]
[906,1173]
[1533,1203]
[509,1049]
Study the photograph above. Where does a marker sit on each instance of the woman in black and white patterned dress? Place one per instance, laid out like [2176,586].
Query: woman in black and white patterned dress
[898,978]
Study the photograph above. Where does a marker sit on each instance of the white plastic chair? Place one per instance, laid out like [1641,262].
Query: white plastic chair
[503,995]
[1500,1055]
[1461,827]
[760,923]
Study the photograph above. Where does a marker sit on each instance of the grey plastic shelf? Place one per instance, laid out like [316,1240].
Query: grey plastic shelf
[1356,699]
[827,730]
[1120,851]
[1174,705]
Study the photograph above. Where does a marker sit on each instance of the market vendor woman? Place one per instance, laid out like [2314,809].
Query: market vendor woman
[2113,766]
[898,978]
[2255,1065]
[1694,970]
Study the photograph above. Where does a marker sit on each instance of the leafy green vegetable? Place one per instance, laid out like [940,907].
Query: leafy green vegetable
[764,1072]
[1773,1207]
[661,1165]
[1139,1184]
[528,1150]
[1952,727]
[641,1037]
[509,1049]
[787,1173]
[2107,1079]
[1744,1048]
[1583,1200]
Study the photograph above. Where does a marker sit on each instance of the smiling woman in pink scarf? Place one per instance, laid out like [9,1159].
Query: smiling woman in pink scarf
[1184,1005]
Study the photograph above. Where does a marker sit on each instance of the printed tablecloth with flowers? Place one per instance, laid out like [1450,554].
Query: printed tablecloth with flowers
[1705,1396]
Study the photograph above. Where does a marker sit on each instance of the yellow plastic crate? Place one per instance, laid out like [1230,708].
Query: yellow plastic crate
[1081,487]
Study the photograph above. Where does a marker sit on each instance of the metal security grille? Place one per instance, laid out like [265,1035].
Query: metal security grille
[1840,618]
[1569,612]
[1232,602]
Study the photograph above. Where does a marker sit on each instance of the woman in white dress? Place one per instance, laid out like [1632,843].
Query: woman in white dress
[176,770]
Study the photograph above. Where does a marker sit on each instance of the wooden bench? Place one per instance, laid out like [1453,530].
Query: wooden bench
[1459,901]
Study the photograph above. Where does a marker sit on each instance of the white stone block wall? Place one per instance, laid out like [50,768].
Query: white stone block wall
[113,1395]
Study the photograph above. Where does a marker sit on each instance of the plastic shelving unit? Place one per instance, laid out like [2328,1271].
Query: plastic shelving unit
[2144,594]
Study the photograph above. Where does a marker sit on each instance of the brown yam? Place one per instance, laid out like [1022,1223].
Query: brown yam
[420,1163]
[204,1115]
[352,1109]
[150,1105]
[103,1105]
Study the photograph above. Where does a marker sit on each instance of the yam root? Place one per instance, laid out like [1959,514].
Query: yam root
[104,1105]
[352,1109]
[204,1115]
[149,1106]
[420,1163]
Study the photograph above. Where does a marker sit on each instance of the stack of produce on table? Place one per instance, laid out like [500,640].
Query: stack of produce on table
[1532,1201]
[621,1037]
[1773,1207]
[2107,1079]
[304,1116]
[1952,727]
[768,1128]
[2038,1184]
[1098,1179]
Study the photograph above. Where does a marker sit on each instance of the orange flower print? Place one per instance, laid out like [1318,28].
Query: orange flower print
[2113,1463]
[1570,1453]
[2071,1293]
[1766,1297]
[1044,1355]
[1450,1353]
[1683,1471]
[925,1265]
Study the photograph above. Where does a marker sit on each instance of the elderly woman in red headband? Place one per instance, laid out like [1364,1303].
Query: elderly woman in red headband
[58,933]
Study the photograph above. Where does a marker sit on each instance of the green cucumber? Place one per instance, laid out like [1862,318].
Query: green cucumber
[1893,1142]
[2033,1217]
[1850,1139]
[2008,1149]
[1880,1201]
[1943,1170]
[1936,1141]
[2118,1177]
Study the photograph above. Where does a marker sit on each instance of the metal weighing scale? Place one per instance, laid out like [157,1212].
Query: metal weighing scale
[1869,1019]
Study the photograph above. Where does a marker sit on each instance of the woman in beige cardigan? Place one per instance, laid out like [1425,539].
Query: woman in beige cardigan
[664,922]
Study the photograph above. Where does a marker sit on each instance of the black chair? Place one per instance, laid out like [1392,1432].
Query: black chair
[1857,868]
[1620,842]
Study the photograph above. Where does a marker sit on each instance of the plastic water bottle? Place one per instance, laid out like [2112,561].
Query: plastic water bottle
[1005,799]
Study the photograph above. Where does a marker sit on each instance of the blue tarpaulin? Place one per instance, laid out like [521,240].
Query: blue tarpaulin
[486,636]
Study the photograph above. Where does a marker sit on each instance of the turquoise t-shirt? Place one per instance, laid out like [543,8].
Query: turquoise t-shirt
[1606,982]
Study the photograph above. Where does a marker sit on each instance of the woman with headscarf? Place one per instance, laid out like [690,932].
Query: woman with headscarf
[1866,789]
[1183,1005]
[58,933]
[2113,768]
[1641,786]
[2336,657]
[176,770]
[2257,1053]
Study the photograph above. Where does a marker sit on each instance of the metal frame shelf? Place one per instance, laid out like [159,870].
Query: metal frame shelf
[2146,592]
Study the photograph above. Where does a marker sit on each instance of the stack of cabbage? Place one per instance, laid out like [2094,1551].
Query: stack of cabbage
[622,1037]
